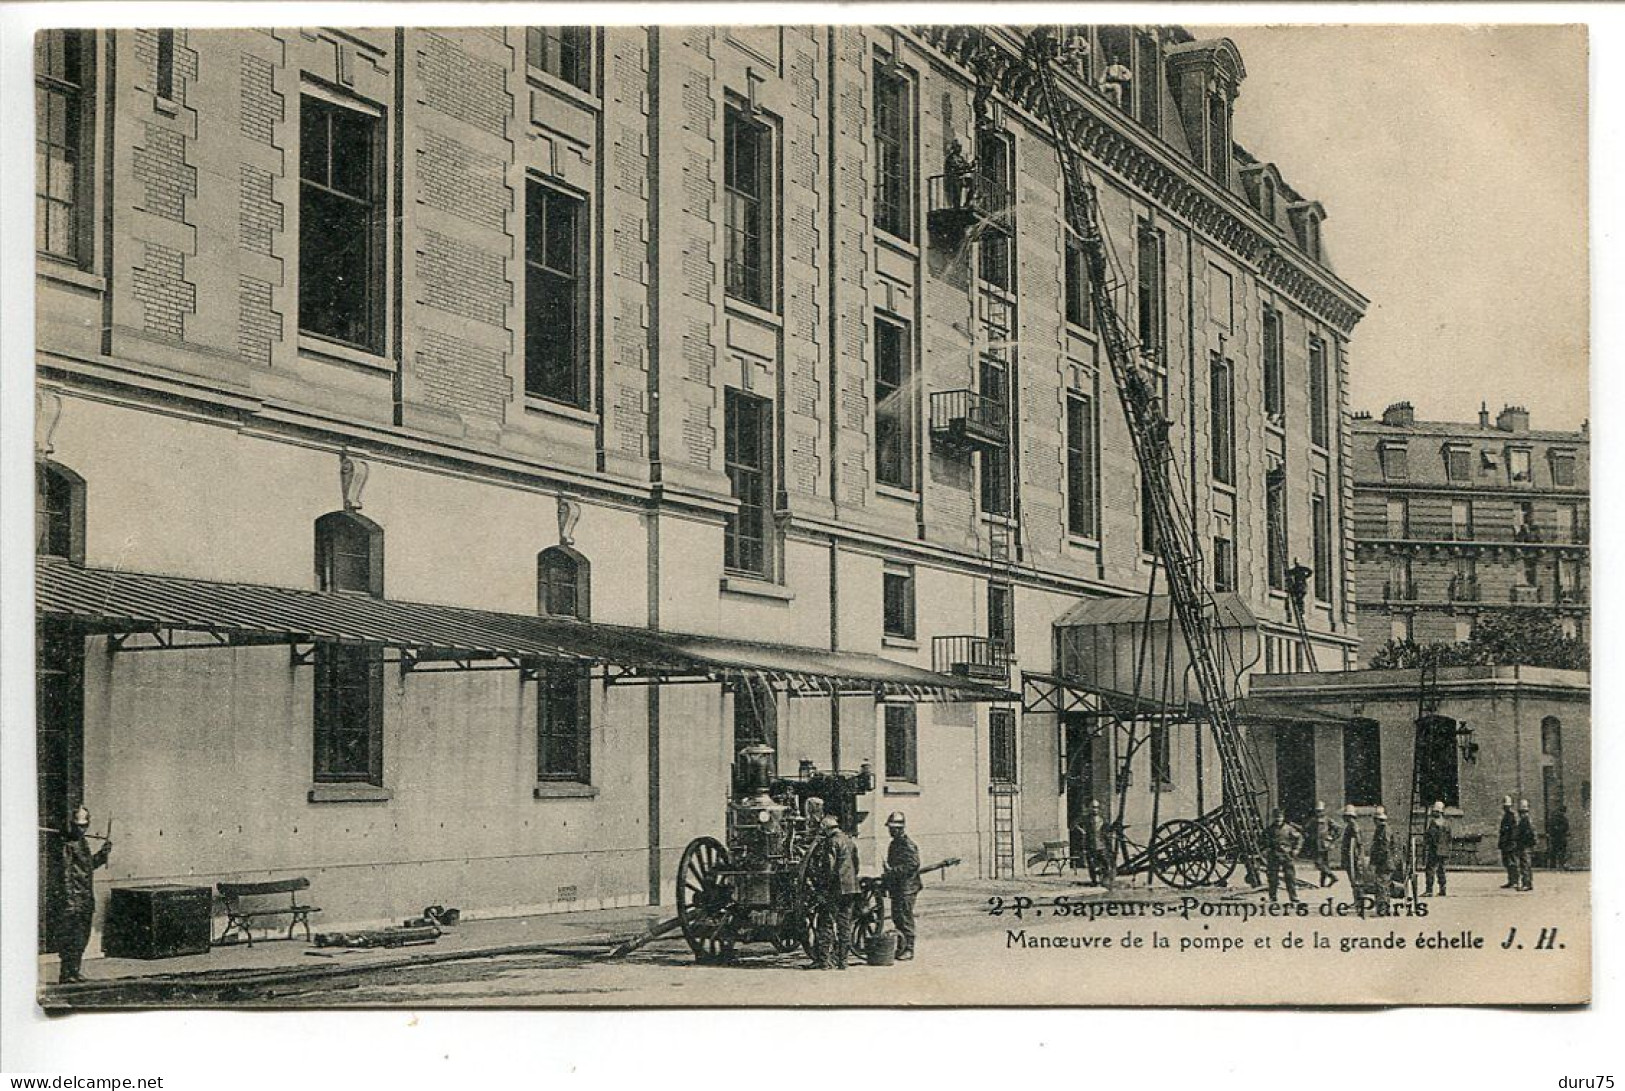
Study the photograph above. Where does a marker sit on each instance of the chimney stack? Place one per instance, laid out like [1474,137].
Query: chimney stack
[1483,414]
[1513,418]
[1399,415]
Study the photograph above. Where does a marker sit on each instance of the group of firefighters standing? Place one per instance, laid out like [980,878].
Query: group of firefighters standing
[835,874]
[1377,864]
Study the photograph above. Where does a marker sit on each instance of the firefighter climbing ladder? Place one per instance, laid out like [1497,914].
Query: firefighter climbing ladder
[1148,428]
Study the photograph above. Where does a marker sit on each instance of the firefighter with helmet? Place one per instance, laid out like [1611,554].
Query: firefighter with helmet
[902,877]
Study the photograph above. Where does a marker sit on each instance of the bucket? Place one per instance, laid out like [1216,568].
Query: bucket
[882,949]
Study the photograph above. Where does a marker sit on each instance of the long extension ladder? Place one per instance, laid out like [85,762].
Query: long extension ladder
[1175,530]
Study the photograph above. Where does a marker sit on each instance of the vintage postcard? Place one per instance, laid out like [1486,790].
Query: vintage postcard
[570,516]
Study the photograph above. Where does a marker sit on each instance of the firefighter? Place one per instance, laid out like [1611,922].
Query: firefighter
[1319,843]
[1281,844]
[1351,849]
[1557,838]
[1436,847]
[960,175]
[1093,836]
[902,876]
[1381,856]
[1525,843]
[837,874]
[1507,842]
[78,899]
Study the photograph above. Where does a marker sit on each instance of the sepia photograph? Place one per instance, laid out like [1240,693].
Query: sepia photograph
[602,517]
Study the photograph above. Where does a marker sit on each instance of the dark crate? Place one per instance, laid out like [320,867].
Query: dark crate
[157,921]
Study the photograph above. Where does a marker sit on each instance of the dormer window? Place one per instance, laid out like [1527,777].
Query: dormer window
[1218,136]
[1306,217]
[1266,198]
[1395,464]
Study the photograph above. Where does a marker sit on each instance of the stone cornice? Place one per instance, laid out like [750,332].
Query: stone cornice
[1183,191]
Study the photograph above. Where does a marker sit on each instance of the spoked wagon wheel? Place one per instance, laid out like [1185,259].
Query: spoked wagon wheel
[867,921]
[704,902]
[1183,854]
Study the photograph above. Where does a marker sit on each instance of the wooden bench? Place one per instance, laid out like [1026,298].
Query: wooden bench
[247,902]
[1054,854]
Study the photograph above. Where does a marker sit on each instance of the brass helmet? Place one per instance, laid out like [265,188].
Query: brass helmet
[1380,814]
[1438,806]
[895,820]
[1348,810]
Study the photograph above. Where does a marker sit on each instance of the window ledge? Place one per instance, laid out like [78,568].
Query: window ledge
[907,247]
[66,273]
[897,492]
[166,106]
[902,788]
[563,410]
[542,78]
[349,793]
[755,588]
[321,348]
[1082,541]
[565,790]
[906,643]
[747,309]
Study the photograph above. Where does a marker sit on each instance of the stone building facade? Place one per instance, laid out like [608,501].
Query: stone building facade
[1452,521]
[653,329]
[1488,733]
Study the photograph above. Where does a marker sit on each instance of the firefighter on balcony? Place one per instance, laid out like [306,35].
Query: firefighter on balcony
[1436,848]
[77,904]
[902,877]
[959,176]
[1281,844]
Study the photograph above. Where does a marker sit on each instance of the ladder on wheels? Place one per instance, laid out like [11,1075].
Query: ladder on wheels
[1174,527]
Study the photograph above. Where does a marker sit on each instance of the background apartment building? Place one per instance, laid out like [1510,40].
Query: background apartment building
[684,332]
[1453,521]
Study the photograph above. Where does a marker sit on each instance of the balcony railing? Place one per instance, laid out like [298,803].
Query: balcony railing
[1571,595]
[955,201]
[1421,532]
[968,419]
[970,656]
[1398,591]
[1522,596]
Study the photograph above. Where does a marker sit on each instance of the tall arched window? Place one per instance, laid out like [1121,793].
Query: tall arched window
[348,714]
[563,583]
[59,512]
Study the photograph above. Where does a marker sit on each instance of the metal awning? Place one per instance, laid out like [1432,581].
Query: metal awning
[142,611]
[1231,610]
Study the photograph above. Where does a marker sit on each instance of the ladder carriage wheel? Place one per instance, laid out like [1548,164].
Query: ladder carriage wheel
[705,904]
[1184,854]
